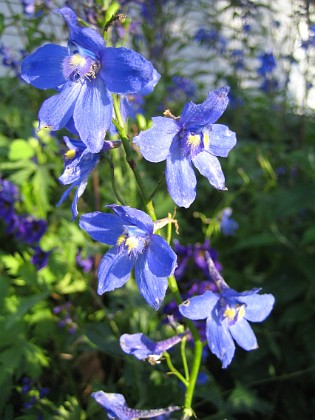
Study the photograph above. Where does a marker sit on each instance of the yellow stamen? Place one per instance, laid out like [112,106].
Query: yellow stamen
[70,154]
[241,311]
[121,239]
[131,243]
[230,313]
[206,139]
[77,60]
[193,140]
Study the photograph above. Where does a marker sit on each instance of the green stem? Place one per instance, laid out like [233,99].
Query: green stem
[130,159]
[188,411]
[173,370]
[114,185]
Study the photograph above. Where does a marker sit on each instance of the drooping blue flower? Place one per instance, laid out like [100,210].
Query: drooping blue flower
[142,347]
[190,140]
[84,74]
[79,164]
[131,232]
[116,407]
[227,314]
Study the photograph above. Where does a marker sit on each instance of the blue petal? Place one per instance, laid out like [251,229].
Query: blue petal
[114,270]
[65,195]
[209,166]
[125,71]
[80,190]
[199,307]
[56,111]
[43,68]
[222,140]
[137,345]
[114,404]
[155,143]
[79,168]
[134,217]
[147,89]
[258,307]
[161,257]
[93,114]
[244,335]
[180,177]
[195,117]
[220,340]
[151,287]
[87,38]
[102,227]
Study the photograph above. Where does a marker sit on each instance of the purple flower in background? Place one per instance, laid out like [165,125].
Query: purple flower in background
[140,346]
[267,63]
[227,224]
[84,74]
[131,232]
[116,407]
[40,258]
[227,313]
[190,140]
[8,196]
[211,38]
[85,263]
[30,230]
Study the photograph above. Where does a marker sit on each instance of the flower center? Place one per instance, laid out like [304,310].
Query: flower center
[234,312]
[77,67]
[133,240]
[193,143]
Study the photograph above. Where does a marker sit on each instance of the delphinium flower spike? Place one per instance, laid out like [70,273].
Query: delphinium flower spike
[227,313]
[190,140]
[84,74]
[131,232]
[116,407]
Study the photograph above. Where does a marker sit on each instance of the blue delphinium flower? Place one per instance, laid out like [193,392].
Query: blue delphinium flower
[227,313]
[140,346]
[131,232]
[190,140]
[116,407]
[79,164]
[84,74]
[227,224]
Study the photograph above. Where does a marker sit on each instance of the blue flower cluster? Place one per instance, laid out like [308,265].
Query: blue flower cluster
[85,75]
[25,229]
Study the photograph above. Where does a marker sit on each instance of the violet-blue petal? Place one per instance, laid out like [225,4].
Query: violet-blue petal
[102,227]
[161,258]
[138,345]
[147,89]
[125,71]
[220,340]
[134,217]
[258,307]
[244,335]
[114,270]
[222,140]
[56,111]
[155,143]
[80,190]
[116,407]
[209,166]
[199,307]
[93,114]
[65,195]
[80,168]
[180,177]
[151,287]
[43,68]
[114,404]
[198,116]
[87,38]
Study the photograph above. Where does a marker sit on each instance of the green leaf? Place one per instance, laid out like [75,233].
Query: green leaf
[20,150]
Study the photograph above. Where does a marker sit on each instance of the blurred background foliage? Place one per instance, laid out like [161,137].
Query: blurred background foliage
[59,340]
